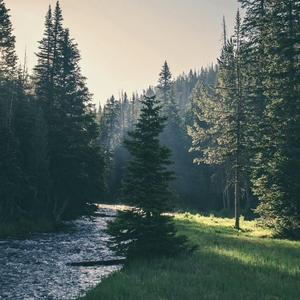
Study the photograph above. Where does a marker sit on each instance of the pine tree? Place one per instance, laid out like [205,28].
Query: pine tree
[165,84]
[165,87]
[51,164]
[8,61]
[125,113]
[111,125]
[276,173]
[45,61]
[193,184]
[71,122]
[144,231]
[134,111]
[173,135]
[8,58]
[254,31]
[219,131]
[31,132]
[74,136]
[11,174]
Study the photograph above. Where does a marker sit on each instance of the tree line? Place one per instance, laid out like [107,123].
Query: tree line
[193,184]
[249,122]
[232,128]
[51,164]
[237,121]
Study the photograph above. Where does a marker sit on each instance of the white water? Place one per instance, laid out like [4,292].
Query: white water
[35,268]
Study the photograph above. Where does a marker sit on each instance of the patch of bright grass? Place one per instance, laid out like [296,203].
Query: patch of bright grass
[229,264]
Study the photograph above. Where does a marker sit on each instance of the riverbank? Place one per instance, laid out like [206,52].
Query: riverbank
[26,227]
[40,266]
[229,264]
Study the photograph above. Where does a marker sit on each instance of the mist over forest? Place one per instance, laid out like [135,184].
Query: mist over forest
[196,175]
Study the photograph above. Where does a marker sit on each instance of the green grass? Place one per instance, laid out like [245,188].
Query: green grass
[229,264]
[25,227]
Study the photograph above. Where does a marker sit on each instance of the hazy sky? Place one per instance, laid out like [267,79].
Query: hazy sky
[124,43]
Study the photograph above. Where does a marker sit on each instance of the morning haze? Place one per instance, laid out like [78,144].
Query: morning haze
[191,192]
[124,43]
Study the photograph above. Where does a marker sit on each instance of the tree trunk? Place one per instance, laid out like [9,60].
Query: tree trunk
[237,197]
[237,182]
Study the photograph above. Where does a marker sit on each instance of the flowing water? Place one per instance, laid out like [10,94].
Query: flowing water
[35,267]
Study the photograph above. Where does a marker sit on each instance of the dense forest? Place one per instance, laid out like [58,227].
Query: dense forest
[188,189]
[233,128]
[51,163]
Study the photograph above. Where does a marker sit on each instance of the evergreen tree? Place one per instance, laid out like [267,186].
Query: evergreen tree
[111,125]
[8,58]
[114,124]
[254,30]
[8,71]
[276,173]
[193,184]
[45,61]
[173,135]
[75,161]
[165,87]
[51,165]
[219,132]
[144,231]
[165,84]
[11,174]
[125,113]
[134,111]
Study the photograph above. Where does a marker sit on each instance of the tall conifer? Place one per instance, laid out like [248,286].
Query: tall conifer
[11,174]
[71,121]
[143,231]
[277,165]
[219,132]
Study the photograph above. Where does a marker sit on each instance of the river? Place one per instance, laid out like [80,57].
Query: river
[35,267]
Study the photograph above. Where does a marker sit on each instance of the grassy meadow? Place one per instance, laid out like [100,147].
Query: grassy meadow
[229,264]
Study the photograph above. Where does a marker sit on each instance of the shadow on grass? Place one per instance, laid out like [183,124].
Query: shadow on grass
[236,239]
[228,265]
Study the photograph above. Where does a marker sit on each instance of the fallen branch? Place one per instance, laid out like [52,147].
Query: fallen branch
[111,262]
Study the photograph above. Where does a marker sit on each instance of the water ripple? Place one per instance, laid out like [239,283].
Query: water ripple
[35,268]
